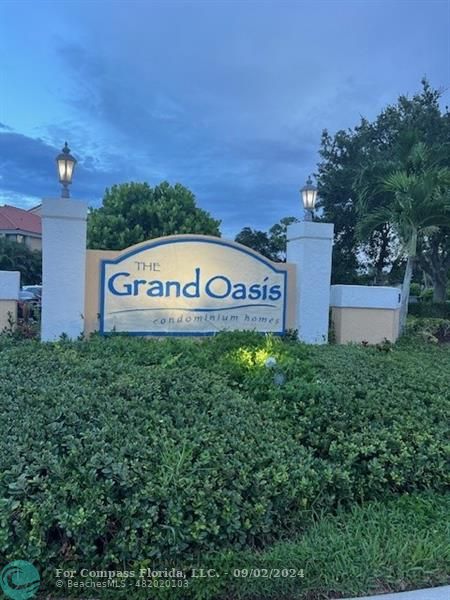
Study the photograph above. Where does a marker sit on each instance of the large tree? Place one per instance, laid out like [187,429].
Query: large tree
[15,256]
[433,258]
[135,212]
[360,157]
[271,244]
[418,205]
[256,240]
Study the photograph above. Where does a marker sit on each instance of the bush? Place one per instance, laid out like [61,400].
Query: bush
[123,451]
[429,330]
[430,310]
[107,456]
[426,295]
[415,289]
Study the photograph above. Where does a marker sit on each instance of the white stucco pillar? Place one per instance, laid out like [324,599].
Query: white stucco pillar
[63,267]
[9,296]
[309,247]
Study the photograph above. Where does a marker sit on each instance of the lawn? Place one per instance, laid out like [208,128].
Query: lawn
[232,453]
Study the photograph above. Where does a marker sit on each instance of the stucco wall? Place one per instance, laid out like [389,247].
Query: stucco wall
[309,247]
[371,325]
[63,267]
[9,294]
[92,288]
[365,313]
[8,308]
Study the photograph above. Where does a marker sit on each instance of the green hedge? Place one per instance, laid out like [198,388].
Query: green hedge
[432,310]
[125,451]
[436,331]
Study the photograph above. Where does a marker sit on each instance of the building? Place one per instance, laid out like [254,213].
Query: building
[23,226]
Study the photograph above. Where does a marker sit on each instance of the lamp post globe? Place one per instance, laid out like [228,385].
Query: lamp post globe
[65,163]
[309,197]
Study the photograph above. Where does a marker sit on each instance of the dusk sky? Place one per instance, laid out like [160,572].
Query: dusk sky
[228,98]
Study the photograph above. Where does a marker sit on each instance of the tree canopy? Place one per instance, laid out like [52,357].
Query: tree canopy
[15,256]
[359,158]
[418,204]
[271,244]
[135,212]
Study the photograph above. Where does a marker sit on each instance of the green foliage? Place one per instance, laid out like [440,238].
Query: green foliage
[15,256]
[129,452]
[24,328]
[418,203]
[377,548]
[415,289]
[434,261]
[135,212]
[359,158]
[257,240]
[271,244]
[430,329]
[431,310]
[427,296]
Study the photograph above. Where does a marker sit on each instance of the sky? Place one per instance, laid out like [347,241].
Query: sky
[228,98]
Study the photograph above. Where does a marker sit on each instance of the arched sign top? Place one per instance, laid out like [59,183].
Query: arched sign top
[184,237]
[191,285]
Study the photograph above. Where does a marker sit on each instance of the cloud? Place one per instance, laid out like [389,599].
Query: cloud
[229,100]
[16,199]
[165,134]
[28,170]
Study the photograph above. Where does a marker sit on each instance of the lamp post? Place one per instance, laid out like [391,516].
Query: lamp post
[66,163]
[309,197]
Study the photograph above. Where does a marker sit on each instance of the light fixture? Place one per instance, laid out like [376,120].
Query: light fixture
[66,163]
[309,197]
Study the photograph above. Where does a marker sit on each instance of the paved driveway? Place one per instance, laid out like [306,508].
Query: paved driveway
[439,593]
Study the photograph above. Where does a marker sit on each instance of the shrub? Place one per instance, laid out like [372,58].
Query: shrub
[426,295]
[110,458]
[429,330]
[123,451]
[434,310]
[415,289]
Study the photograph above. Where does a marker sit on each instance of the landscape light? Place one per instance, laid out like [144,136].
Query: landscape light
[66,163]
[309,197]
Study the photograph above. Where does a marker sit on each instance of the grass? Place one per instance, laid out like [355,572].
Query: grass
[380,547]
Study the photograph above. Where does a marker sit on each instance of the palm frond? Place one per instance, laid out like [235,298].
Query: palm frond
[372,220]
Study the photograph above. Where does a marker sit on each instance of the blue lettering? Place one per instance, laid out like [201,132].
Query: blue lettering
[254,292]
[136,284]
[219,287]
[176,285]
[156,289]
[275,292]
[195,285]
[264,288]
[127,286]
[210,282]
[240,291]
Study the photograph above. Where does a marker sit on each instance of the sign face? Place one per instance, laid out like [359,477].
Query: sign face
[191,285]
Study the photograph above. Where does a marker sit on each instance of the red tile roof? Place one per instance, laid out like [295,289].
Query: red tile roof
[12,218]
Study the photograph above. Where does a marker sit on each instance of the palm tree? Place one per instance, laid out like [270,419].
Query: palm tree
[420,203]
